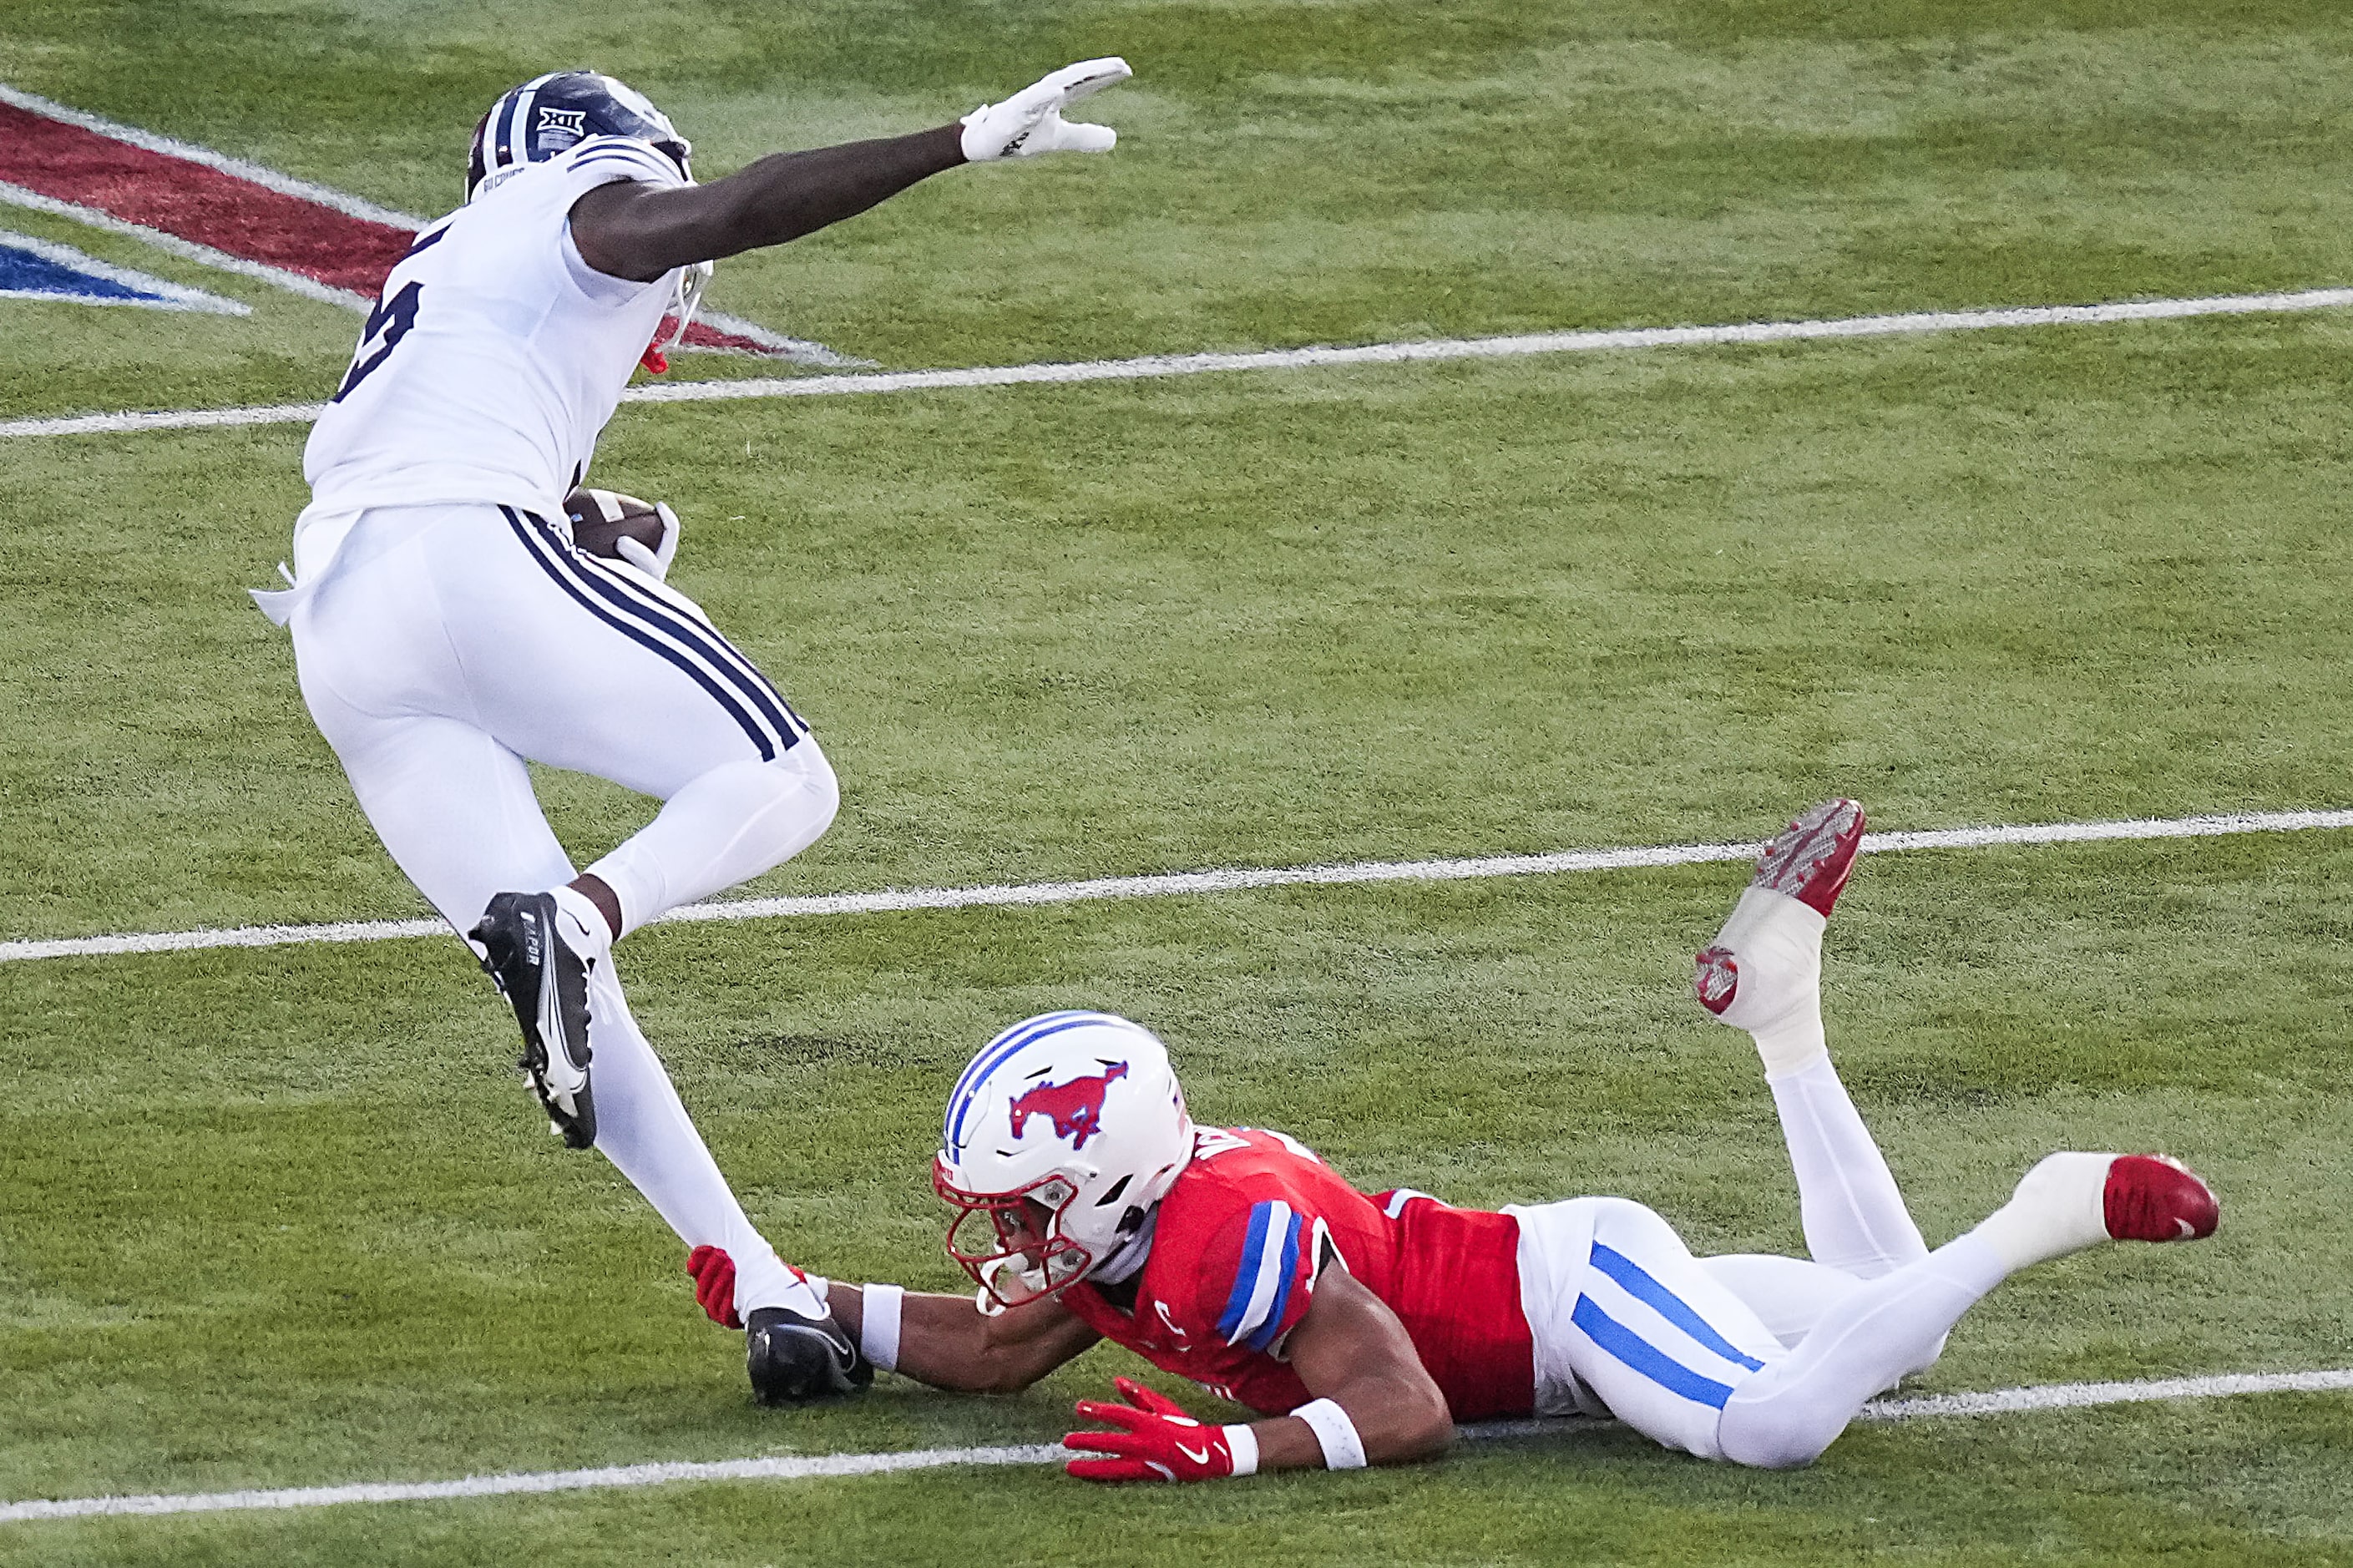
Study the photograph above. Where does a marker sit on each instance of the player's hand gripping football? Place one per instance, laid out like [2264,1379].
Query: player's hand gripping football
[642,535]
[1031,122]
[1155,1440]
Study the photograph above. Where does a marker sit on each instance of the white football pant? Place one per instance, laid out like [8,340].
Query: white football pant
[1759,1359]
[440,647]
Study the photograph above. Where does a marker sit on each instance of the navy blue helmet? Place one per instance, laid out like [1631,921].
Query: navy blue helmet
[549,114]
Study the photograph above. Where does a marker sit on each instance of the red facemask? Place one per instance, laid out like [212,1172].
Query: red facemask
[1019,1254]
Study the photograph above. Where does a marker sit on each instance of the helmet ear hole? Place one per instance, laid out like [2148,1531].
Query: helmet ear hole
[1131,1221]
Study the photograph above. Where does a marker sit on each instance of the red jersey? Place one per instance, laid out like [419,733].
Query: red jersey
[1241,1240]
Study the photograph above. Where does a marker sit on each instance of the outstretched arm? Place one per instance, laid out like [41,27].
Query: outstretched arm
[630,230]
[946,1342]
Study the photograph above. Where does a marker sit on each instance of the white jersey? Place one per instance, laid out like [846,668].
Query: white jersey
[495,354]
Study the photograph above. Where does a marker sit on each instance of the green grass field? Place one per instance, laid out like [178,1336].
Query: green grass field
[280,1217]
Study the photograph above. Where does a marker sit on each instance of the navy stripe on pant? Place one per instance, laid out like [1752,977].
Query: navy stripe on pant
[726,684]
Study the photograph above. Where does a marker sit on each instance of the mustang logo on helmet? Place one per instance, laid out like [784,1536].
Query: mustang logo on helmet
[1076,1106]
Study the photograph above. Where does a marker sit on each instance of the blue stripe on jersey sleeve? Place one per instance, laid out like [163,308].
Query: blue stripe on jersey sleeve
[628,154]
[650,173]
[1229,1322]
[1271,1329]
[610,143]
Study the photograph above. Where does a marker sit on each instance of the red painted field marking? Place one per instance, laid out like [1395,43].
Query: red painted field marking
[190,201]
[83,166]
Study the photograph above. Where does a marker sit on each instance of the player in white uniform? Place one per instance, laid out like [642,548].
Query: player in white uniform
[448,626]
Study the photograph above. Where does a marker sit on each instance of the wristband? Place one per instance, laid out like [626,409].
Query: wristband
[1343,1450]
[1241,1441]
[878,1329]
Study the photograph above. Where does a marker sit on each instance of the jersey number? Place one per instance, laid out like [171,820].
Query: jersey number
[1208,1143]
[390,320]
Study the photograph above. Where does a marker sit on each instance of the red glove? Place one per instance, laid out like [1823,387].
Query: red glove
[714,1284]
[1156,1441]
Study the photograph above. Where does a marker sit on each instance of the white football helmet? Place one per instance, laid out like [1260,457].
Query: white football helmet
[1064,1131]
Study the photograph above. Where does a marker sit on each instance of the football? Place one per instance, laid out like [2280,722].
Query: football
[601,518]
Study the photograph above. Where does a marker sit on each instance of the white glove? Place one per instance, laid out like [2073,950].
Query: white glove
[1031,122]
[654,563]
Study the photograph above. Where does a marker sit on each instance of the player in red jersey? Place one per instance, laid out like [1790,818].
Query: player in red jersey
[1364,1327]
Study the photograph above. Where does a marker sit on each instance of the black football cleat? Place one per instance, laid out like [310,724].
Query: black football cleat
[547,984]
[793,1358]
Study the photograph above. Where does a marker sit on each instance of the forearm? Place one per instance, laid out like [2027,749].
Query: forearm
[1395,1425]
[643,234]
[943,1341]
[788,194]
[1352,1350]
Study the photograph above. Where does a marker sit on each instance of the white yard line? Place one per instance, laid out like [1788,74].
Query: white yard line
[1153,367]
[782,1468]
[1234,880]
[172,296]
[270,179]
[798,350]
[2081,1395]
[278,276]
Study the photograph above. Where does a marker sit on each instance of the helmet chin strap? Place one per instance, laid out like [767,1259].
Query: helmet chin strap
[1130,1256]
[1033,1278]
[693,282]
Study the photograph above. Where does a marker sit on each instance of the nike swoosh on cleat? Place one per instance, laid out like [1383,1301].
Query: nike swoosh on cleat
[2188,1231]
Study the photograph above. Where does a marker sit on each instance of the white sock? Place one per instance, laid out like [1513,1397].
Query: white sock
[643,1128]
[724,828]
[1777,942]
[765,1282]
[584,926]
[1789,1295]
[2061,1206]
[1854,1215]
[1789,1413]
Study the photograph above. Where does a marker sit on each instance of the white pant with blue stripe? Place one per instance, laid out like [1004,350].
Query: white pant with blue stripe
[440,647]
[1626,1323]
[1762,1361]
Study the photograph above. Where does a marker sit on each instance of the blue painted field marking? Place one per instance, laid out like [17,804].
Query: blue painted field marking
[43,270]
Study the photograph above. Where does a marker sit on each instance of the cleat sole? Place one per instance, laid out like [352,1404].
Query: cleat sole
[1811,858]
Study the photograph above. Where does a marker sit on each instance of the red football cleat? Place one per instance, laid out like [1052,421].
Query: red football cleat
[2155,1197]
[1808,862]
[1716,978]
[1810,859]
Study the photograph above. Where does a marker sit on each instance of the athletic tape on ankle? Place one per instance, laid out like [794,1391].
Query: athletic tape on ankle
[878,1331]
[1335,1434]
[1243,1443]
